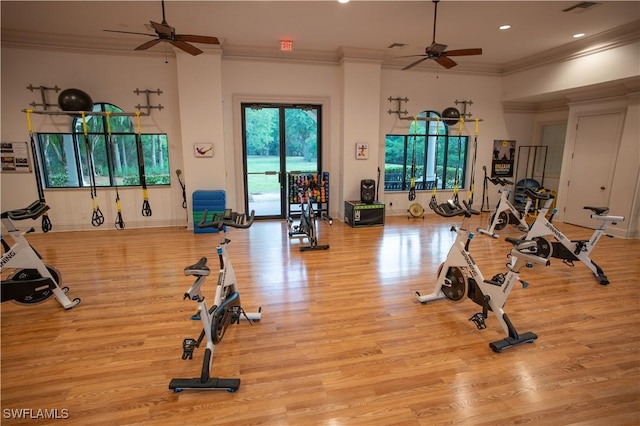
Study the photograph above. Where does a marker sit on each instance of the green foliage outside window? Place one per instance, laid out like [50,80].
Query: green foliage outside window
[114,153]
[428,152]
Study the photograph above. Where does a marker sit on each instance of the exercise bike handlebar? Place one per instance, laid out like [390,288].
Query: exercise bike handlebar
[538,195]
[499,181]
[228,218]
[33,211]
[448,209]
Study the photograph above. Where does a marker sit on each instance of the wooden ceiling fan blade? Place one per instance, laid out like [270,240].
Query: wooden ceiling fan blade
[197,39]
[410,56]
[463,52]
[413,64]
[130,32]
[150,43]
[164,28]
[192,50]
[446,62]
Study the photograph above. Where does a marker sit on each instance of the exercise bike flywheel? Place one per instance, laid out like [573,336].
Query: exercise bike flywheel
[545,248]
[455,286]
[40,294]
[503,219]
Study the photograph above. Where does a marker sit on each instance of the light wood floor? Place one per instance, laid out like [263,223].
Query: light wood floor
[342,341]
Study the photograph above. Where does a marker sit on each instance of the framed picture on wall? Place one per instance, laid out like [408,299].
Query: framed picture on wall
[203,150]
[362,151]
[15,157]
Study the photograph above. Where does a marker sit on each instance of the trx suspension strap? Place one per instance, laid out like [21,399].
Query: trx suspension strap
[146,208]
[378,184]
[46,222]
[119,223]
[433,203]
[97,219]
[412,184]
[456,186]
[485,192]
[469,204]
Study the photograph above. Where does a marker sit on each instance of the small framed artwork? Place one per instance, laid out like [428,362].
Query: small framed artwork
[362,151]
[203,149]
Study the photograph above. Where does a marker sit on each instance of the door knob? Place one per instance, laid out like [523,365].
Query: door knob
[602,188]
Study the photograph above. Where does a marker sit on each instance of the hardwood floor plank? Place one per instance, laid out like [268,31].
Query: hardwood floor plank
[342,339]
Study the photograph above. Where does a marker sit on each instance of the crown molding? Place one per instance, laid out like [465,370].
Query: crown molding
[606,40]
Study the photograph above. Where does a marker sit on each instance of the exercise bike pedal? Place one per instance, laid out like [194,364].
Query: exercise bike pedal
[478,320]
[188,346]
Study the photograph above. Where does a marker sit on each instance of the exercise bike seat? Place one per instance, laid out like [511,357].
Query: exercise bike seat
[198,269]
[597,210]
[33,211]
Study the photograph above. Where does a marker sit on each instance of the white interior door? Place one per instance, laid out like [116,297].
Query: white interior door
[594,157]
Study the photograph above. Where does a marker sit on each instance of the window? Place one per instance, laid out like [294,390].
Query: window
[109,151]
[430,153]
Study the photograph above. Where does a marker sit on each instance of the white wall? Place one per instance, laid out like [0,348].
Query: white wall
[436,91]
[106,78]
[201,97]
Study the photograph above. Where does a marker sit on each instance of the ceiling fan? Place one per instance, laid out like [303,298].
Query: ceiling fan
[437,52]
[165,32]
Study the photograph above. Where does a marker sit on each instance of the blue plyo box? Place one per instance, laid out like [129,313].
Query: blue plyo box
[212,201]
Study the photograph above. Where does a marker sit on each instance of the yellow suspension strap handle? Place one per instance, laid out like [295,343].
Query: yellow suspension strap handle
[146,208]
[119,223]
[46,222]
[97,218]
[412,182]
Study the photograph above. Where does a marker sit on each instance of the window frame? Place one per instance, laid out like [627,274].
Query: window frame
[435,170]
[74,145]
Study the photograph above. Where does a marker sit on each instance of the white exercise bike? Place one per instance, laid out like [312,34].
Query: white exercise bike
[459,277]
[564,248]
[31,281]
[505,213]
[226,308]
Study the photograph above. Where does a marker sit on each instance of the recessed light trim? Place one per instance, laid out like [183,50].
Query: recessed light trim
[504,27]
[579,35]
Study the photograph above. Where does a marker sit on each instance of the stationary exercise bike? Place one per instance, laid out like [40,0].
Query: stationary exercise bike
[564,248]
[226,309]
[505,213]
[32,281]
[307,227]
[460,277]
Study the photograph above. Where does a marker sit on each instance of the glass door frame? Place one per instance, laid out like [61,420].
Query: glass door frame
[282,173]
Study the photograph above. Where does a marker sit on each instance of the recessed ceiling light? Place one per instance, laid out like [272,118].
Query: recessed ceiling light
[579,35]
[343,1]
[504,27]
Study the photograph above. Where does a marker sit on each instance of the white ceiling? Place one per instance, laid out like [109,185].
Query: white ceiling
[325,29]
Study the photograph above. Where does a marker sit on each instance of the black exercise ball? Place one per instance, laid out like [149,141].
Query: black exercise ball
[451,116]
[74,100]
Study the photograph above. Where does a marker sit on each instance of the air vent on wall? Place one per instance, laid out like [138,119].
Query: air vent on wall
[581,7]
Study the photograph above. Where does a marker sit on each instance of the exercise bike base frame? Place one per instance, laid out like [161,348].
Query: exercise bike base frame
[214,383]
[509,342]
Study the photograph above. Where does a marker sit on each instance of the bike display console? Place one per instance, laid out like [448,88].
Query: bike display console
[358,214]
